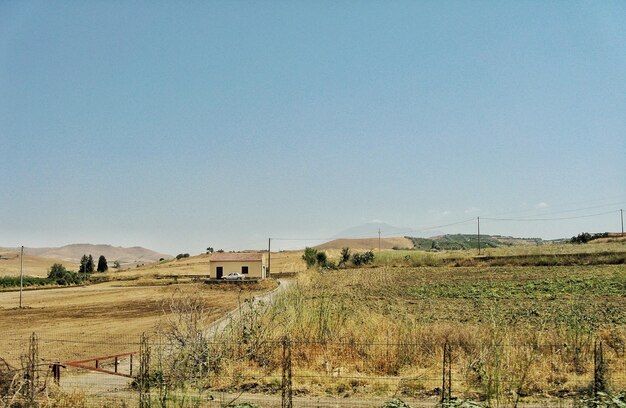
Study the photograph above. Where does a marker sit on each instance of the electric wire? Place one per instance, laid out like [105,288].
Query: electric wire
[549,219]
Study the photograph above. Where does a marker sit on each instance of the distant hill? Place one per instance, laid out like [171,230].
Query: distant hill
[368,243]
[469,241]
[370,229]
[74,252]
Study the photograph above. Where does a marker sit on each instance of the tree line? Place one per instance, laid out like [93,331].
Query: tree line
[314,257]
[585,237]
[87,264]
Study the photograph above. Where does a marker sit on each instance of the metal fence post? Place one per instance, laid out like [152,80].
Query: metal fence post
[143,380]
[446,385]
[286,389]
[599,369]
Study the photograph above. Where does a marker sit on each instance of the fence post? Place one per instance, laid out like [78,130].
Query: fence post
[31,375]
[56,372]
[143,380]
[599,369]
[286,389]
[446,386]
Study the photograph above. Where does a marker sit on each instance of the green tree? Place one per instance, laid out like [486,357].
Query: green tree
[344,257]
[83,264]
[90,264]
[102,264]
[117,264]
[61,276]
[310,256]
[57,271]
[321,258]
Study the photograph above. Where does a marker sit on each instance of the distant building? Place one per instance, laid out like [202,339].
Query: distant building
[250,265]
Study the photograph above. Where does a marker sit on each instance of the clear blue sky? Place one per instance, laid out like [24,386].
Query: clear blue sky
[179,125]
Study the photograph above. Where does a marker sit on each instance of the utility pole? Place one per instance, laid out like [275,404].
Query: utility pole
[478,235]
[621,215]
[269,256]
[378,242]
[21,273]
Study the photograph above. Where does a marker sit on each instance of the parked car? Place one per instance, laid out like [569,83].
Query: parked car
[233,276]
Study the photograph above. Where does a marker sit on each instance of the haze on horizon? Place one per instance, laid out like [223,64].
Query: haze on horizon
[177,126]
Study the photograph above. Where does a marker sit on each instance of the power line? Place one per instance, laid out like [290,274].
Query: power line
[620,196]
[519,219]
[581,209]
[549,219]
[445,225]
[395,233]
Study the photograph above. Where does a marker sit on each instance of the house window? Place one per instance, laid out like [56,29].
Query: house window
[244,270]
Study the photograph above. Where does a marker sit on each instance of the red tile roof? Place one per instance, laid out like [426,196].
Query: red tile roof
[236,257]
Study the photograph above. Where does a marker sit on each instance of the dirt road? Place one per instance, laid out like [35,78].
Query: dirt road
[262,300]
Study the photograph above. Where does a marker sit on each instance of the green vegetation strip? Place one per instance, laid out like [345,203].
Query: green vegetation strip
[612,285]
[14,281]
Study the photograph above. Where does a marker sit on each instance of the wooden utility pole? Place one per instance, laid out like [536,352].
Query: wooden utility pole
[478,235]
[621,215]
[378,242]
[21,273]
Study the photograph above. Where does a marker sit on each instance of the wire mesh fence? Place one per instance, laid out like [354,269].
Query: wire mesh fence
[160,371]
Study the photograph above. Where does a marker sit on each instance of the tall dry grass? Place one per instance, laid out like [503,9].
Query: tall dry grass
[378,322]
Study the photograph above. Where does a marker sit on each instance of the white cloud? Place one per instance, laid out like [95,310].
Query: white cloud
[541,205]
[472,210]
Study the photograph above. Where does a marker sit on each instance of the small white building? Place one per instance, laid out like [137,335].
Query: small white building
[250,265]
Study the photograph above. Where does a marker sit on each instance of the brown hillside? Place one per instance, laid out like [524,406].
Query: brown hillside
[73,253]
[367,243]
[33,265]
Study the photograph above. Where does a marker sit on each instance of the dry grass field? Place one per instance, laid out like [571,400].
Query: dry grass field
[367,243]
[33,265]
[108,314]
[515,331]
[374,331]
[287,261]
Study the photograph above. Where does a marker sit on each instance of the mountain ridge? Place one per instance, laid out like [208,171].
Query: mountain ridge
[73,253]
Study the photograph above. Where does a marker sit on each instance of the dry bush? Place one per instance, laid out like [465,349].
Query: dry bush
[8,379]
[59,399]
[184,351]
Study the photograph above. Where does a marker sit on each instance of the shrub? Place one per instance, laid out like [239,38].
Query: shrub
[395,403]
[585,237]
[56,271]
[310,256]
[321,258]
[363,258]
[345,256]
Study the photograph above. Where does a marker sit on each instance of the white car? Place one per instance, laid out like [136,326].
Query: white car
[233,276]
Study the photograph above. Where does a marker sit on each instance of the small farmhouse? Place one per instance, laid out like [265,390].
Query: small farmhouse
[250,265]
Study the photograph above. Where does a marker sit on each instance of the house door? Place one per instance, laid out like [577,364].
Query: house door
[219,271]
